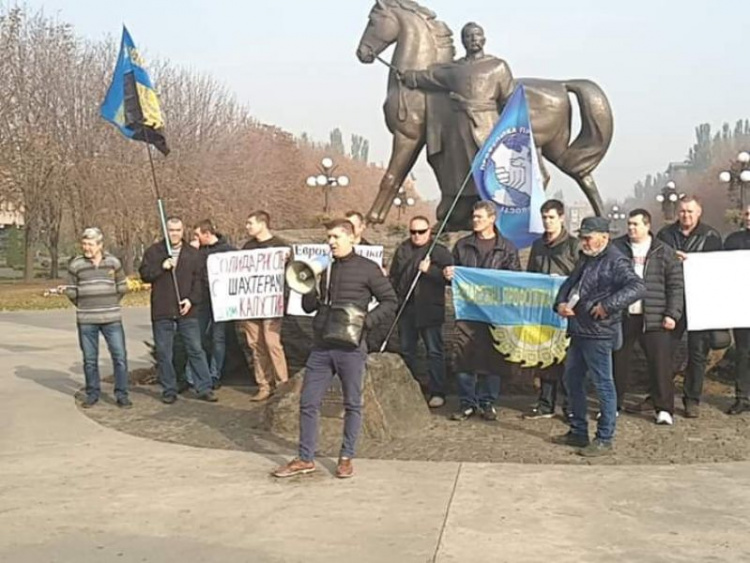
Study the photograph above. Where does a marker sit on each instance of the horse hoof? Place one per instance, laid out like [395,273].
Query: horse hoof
[374,218]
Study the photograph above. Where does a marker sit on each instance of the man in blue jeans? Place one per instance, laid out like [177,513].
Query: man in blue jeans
[96,284]
[424,313]
[176,271]
[602,285]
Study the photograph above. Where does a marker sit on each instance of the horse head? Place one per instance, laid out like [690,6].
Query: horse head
[382,30]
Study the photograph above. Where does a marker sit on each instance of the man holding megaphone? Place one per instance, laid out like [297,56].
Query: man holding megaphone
[339,292]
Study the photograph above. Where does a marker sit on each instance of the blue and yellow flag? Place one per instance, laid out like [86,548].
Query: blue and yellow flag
[506,172]
[518,306]
[131,102]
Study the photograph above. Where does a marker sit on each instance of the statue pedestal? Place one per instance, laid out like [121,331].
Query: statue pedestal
[393,406]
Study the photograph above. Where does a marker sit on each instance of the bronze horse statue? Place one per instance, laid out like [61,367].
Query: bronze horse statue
[421,40]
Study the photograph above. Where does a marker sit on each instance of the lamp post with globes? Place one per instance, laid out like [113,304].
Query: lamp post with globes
[668,198]
[738,176]
[401,201]
[327,180]
[616,215]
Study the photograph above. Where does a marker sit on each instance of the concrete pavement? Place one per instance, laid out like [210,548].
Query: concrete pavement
[72,490]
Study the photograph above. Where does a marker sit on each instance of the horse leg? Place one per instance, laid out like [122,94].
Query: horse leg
[403,156]
[543,168]
[591,192]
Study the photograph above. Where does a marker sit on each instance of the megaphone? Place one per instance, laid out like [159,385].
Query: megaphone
[302,274]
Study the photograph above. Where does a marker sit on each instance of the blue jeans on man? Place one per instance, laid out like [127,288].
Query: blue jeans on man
[321,365]
[590,357]
[114,336]
[478,390]
[189,330]
[213,340]
[432,336]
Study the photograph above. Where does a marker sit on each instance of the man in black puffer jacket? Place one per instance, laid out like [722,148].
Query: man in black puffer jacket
[689,235]
[740,240]
[168,316]
[651,320]
[602,285]
[355,280]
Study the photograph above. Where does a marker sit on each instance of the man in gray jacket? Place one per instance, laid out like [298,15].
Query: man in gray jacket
[96,284]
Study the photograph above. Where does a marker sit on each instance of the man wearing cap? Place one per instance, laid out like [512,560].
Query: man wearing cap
[602,285]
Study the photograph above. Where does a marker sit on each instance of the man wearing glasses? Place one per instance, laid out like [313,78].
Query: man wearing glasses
[424,314]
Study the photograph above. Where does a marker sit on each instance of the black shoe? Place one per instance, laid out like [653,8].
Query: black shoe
[89,402]
[739,406]
[489,412]
[182,386]
[692,409]
[216,384]
[573,440]
[124,403]
[168,399]
[208,396]
[464,413]
[597,448]
[538,413]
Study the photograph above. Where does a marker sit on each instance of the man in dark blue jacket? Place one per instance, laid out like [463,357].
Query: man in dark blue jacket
[601,286]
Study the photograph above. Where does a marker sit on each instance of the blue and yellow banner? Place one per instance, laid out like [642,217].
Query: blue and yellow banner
[519,307]
[131,102]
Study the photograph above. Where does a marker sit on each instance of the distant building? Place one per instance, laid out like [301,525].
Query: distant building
[678,172]
[575,213]
[10,215]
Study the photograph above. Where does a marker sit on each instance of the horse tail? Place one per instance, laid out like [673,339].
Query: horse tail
[597,125]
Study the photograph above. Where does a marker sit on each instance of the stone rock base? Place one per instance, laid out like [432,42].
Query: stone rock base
[393,406]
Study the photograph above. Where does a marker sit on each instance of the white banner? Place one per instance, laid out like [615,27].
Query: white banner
[247,284]
[294,307]
[716,290]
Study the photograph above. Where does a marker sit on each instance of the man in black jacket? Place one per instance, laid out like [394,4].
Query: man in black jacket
[477,364]
[554,253]
[593,297]
[211,242]
[740,240]
[168,316]
[354,281]
[651,320]
[424,313]
[688,235]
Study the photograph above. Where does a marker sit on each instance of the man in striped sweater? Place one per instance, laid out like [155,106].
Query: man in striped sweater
[96,284]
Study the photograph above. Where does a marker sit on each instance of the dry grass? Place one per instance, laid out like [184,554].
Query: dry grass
[18,296]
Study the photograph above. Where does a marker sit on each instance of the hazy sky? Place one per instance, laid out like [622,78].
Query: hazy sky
[665,65]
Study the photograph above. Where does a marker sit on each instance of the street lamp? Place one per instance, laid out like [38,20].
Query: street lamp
[615,215]
[326,180]
[738,176]
[401,201]
[668,198]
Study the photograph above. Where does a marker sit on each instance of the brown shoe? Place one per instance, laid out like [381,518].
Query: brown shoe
[294,467]
[261,395]
[344,469]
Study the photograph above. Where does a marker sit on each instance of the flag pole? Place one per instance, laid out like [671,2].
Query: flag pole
[434,242]
[162,216]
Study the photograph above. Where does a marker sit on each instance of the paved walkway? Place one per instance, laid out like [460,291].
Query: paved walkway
[74,491]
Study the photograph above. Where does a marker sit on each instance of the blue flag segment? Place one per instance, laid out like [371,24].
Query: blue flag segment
[131,103]
[506,172]
[519,308]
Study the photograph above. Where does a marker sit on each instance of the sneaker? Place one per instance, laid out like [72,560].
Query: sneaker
[663,417]
[261,395]
[168,399]
[89,402]
[597,448]
[215,384]
[464,413]
[124,403]
[489,412]
[436,402]
[208,396]
[538,413]
[294,467]
[344,468]
[573,440]
[692,409]
[739,406]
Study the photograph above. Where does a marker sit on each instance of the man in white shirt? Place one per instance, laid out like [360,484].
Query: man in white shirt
[651,320]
